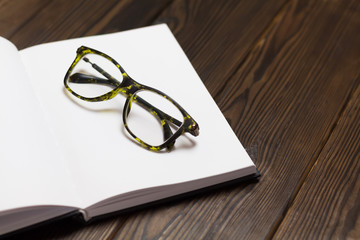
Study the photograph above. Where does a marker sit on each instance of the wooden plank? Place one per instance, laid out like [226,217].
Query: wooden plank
[283,104]
[138,13]
[328,203]
[15,13]
[65,19]
[218,35]
[59,20]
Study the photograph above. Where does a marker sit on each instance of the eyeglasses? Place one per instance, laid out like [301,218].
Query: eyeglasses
[151,117]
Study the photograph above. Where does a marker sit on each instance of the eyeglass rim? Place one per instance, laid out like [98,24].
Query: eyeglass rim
[80,53]
[168,143]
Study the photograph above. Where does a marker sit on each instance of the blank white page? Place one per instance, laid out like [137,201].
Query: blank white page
[102,158]
[32,171]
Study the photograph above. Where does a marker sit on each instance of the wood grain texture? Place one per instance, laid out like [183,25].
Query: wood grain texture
[14,15]
[63,19]
[328,203]
[218,35]
[283,104]
[285,100]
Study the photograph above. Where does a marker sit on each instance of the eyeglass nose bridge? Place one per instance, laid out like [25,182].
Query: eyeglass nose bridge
[129,86]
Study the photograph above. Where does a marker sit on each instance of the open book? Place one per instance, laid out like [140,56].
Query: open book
[60,154]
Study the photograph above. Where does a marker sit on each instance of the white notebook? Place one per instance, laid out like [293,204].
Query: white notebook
[60,154]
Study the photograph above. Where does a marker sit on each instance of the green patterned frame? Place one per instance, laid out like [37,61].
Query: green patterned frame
[129,87]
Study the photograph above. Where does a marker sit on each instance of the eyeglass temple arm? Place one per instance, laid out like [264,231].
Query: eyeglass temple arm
[83,78]
[112,82]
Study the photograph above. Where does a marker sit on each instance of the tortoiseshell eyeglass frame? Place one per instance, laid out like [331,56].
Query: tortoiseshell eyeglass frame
[129,87]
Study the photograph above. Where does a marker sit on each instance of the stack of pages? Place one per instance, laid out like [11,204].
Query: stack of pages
[61,155]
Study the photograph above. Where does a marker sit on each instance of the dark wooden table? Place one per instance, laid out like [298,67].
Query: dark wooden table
[286,75]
